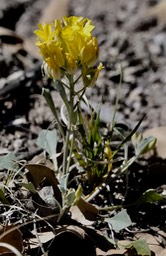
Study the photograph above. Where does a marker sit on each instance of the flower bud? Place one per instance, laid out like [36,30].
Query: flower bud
[90,75]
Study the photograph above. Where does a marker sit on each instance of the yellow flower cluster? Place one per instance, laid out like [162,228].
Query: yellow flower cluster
[67,45]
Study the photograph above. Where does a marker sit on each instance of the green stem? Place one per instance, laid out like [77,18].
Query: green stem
[77,78]
[70,154]
[115,207]
[47,95]
[111,208]
[65,155]
[71,120]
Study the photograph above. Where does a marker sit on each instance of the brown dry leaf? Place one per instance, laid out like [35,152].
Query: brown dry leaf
[88,210]
[42,159]
[38,173]
[111,252]
[152,241]
[77,215]
[160,134]
[123,243]
[76,230]
[44,237]
[11,235]
[99,252]
[71,241]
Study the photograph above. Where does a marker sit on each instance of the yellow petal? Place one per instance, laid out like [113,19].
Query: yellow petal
[89,53]
[71,64]
[45,32]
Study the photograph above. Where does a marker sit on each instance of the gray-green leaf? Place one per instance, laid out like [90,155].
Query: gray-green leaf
[120,221]
[8,162]
[47,140]
[140,246]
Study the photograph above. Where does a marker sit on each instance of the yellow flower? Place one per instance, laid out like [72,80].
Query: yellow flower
[53,57]
[81,25]
[75,33]
[50,70]
[71,64]
[67,45]
[89,53]
[44,33]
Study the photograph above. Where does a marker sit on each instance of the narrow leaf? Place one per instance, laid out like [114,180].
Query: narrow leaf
[3,198]
[28,186]
[128,137]
[145,145]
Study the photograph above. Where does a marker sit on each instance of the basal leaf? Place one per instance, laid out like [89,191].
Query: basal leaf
[47,140]
[140,246]
[149,196]
[120,221]
[8,162]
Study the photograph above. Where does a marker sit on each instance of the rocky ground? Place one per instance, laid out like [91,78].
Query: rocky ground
[132,42]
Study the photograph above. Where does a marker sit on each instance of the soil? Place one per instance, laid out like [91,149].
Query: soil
[133,42]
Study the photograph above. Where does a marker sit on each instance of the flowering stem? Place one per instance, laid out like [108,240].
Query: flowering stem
[77,78]
[71,121]
[66,149]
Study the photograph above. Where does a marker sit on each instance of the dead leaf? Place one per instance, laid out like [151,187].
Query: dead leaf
[111,252]
[77,215]
[44,237]
[71,242]
[123,243]
[13,237]
[88,210]
[76,230]
[99,240]
[99,252]
[160,134]
[37,173]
